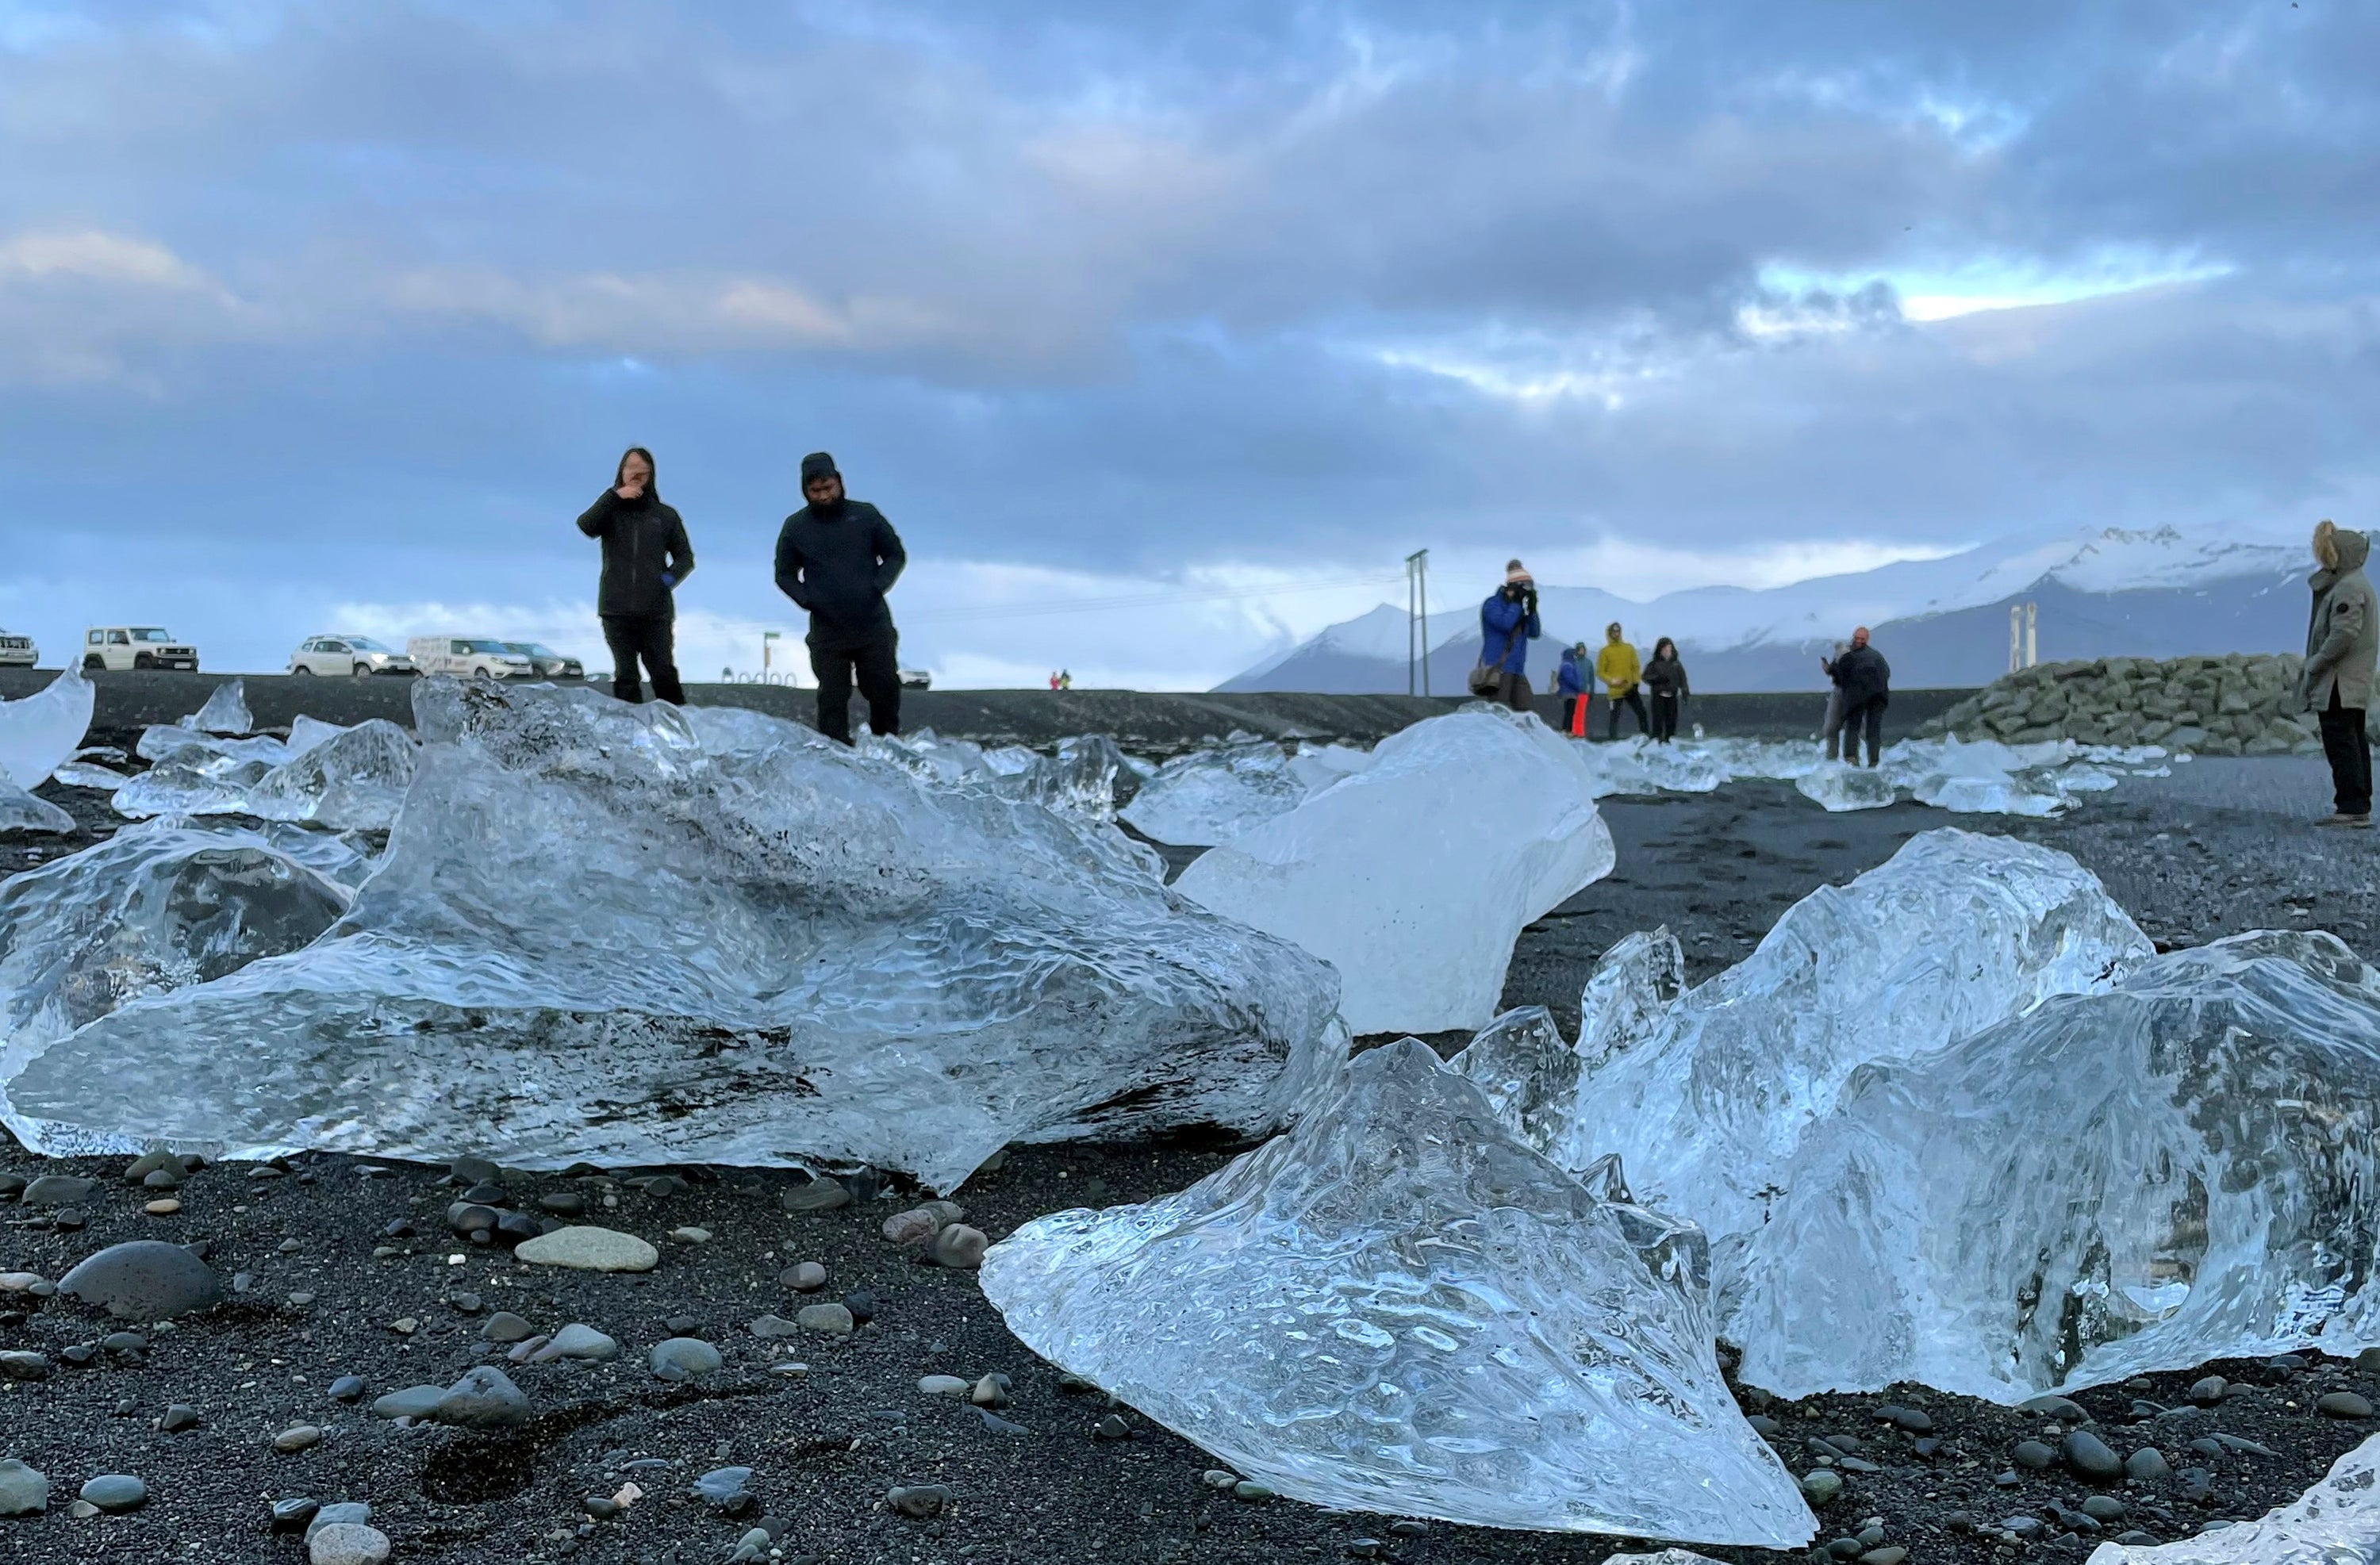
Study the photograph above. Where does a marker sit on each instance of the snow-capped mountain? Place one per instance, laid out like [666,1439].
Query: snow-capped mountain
[2100,592]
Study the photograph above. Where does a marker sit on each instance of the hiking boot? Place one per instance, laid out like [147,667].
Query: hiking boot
[2343,818]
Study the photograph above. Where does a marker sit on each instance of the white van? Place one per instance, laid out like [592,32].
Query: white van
[467,657]
[121,647]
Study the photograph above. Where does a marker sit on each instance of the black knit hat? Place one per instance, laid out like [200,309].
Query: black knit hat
[818,465]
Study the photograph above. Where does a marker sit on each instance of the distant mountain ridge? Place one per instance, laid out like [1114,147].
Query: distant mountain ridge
[2103,592]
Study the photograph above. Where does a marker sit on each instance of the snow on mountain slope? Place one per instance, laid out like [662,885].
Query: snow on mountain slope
[2154,589]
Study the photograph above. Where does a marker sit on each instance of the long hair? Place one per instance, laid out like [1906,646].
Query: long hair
[652,483]
[1658,646]
[2326,543]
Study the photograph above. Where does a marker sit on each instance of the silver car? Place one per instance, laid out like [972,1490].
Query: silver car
[549,663]
[358,655]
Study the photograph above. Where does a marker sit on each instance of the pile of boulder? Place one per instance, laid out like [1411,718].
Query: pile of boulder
[2242,704]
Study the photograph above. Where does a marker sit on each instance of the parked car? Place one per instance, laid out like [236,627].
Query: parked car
[916,679]
[358,655]
[17,651]
[467,657]
[549,663]
[121,647]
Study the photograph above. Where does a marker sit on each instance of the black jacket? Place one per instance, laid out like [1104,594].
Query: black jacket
[839,562]
[1862,674]
[1665,677]
[642,538]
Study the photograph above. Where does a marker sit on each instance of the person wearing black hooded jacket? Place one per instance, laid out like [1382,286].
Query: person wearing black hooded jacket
[837,558]
[645,556]
[1866,680]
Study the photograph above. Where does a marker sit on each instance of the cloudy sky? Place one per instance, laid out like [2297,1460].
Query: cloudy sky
[335,315]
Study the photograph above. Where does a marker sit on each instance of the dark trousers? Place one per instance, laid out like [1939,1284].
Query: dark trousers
[1867,719]
[876,663]
[648,637]
[2350,755]
[1634,702]
[1665,715]
[1512,689]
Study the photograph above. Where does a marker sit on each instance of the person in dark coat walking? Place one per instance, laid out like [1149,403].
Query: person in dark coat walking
[1665,676]
[837,558]
[2342,637]
[645,557]
[1508,623]
[1866,680]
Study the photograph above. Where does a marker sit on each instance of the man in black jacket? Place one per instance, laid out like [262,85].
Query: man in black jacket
[1866,680]
[645,556]
[837,558]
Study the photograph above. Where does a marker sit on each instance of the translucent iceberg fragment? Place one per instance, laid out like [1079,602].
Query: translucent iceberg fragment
[1637,766]
[1397,1307]
[725,730]
[355,780]
[1210,796]
[305,732]
[1525,1072]
[226,711]
[41,730]
[1415,876]
[1318,766]
[82,774]
[592,937]
[1838,787]
[154,908]
[22,812]
[1707,1096]
[2181,1169]
[2335,1522]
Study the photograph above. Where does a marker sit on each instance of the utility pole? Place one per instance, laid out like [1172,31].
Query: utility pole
[2032,647]
[1417,619]
[2024,645]
[766,636]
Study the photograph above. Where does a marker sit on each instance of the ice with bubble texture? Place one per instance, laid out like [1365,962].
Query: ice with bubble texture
[39,732]
[1415,876]
[155,907]
[1399,1307]
[2180,1168]
[1705,1095]
[224,711]
[593,938]
[350,779]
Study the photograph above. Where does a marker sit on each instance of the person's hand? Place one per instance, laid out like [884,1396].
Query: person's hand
[669,578]
[630,491]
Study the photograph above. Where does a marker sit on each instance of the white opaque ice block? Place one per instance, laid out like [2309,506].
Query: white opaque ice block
[1397,1306]
[2181,1169]
[593,938]
[1415,876]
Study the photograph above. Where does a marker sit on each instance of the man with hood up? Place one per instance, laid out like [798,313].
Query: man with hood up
[837,558]
[2342,637]
[1570,682]
[645,557]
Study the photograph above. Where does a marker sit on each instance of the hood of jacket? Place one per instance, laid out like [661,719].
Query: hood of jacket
[2354,549]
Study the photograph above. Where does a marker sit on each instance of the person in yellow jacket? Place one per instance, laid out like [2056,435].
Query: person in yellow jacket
[1616,665]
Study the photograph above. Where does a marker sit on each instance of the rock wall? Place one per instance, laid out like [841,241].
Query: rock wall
[2243,704]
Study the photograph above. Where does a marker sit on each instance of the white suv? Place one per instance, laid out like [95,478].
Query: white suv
[359,655]
[118,648]
[17,651]
[467,657]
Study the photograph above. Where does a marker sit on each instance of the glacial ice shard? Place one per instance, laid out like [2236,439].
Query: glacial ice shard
[2335,1522]
[41,730]
[1318,766]
[1209,796]
[350,779]
[1638,766]
[1397,1307]
[592,936]
[1704,1097]
[2184,1168]
[155,907]
[22,812]
[1838,787]
[1415,876]
[226,711]
[83,774]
